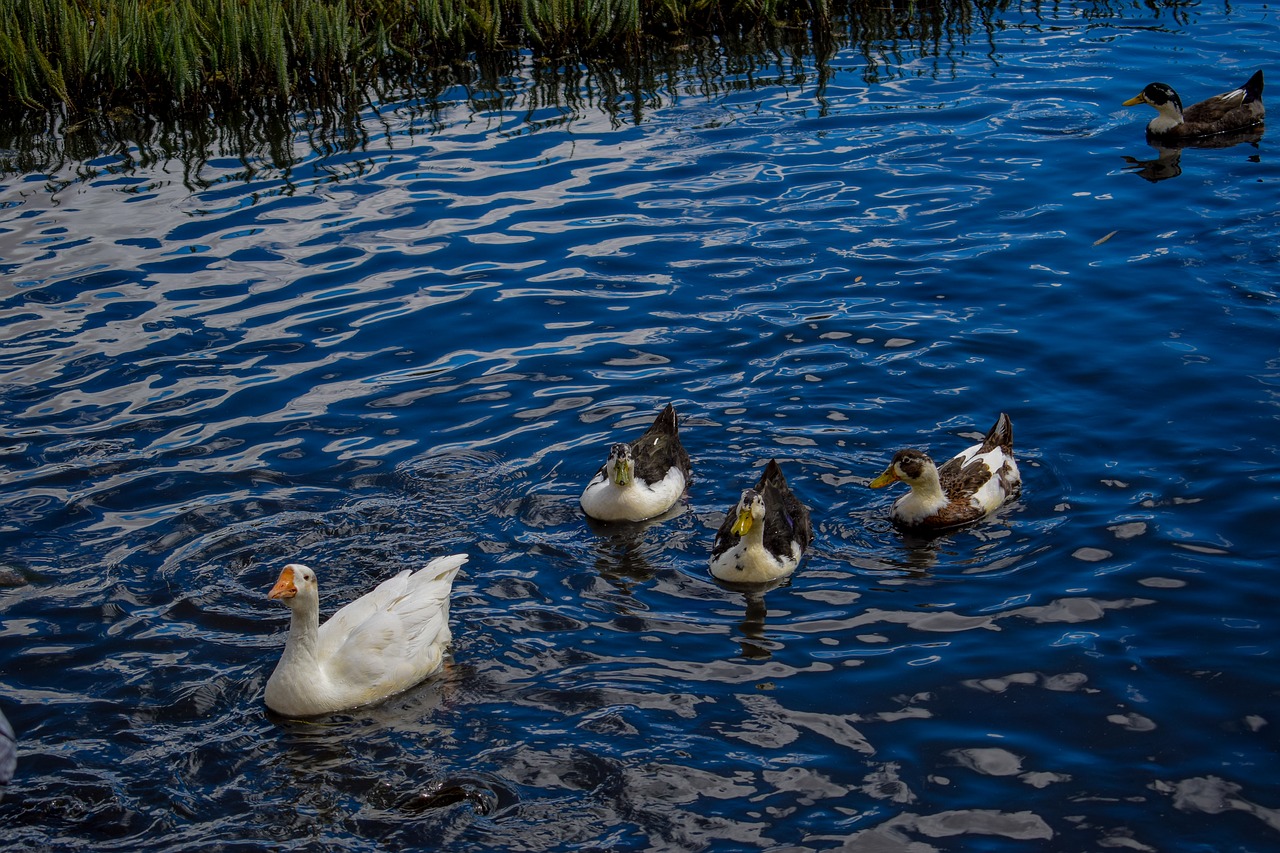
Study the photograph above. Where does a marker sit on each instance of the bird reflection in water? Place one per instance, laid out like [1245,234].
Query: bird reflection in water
[1168,160]
[623,552]
[753,645]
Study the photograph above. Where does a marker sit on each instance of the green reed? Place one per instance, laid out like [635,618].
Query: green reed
[191,80]
[98,54]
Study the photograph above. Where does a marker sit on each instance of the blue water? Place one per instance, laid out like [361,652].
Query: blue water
[425,345]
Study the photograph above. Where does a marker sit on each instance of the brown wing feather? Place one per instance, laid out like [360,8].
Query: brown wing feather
[1234,110]
[959,480]
[1000,435]
[958,483]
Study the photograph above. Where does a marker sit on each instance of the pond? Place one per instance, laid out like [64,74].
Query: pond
[362,357]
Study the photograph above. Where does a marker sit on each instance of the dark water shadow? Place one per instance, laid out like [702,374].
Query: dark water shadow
[480,793]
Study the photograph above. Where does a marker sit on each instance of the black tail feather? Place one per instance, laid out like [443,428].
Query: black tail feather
[665,423]
[1253,89]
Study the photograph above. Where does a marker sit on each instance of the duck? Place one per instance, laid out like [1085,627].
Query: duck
[642,479]
[378,645]
[765,535]
[968,486]
[1231,111]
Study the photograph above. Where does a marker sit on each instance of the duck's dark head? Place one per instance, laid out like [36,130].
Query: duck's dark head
[1157,95]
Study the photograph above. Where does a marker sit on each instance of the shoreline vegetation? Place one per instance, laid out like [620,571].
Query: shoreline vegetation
[181,55]
[194,77]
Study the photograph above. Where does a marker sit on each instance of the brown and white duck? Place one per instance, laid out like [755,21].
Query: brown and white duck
[965,488]
[1226,113]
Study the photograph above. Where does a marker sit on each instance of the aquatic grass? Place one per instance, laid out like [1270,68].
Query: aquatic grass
[83,55]
[194,55]
[95,53]
[193,79]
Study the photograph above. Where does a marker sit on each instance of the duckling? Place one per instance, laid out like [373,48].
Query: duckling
[762,538]
[1235,110]
[971,484]
[642,479]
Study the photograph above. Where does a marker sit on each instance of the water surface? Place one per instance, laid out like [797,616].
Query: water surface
[424,345]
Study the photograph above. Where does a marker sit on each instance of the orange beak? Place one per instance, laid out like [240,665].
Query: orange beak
[285,587]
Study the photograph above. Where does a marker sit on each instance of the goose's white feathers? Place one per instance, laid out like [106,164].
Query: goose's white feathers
[382,643]
[8,751]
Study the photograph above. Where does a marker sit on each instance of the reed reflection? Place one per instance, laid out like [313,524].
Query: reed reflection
[546,85]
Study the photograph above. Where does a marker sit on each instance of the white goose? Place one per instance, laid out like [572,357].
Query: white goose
[8,751]
[382,643]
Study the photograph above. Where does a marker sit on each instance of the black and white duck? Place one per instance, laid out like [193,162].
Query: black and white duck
[642,479]
[764,536]
[965,488]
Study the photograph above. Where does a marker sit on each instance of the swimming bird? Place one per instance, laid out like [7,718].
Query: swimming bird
[969,485]
[642,479]
[762,538]
[382,643]
[8,751]
[1235,110]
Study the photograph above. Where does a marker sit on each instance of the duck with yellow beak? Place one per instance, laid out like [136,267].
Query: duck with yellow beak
[1230,112]
[974,482]
[762,538]
[642,479]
